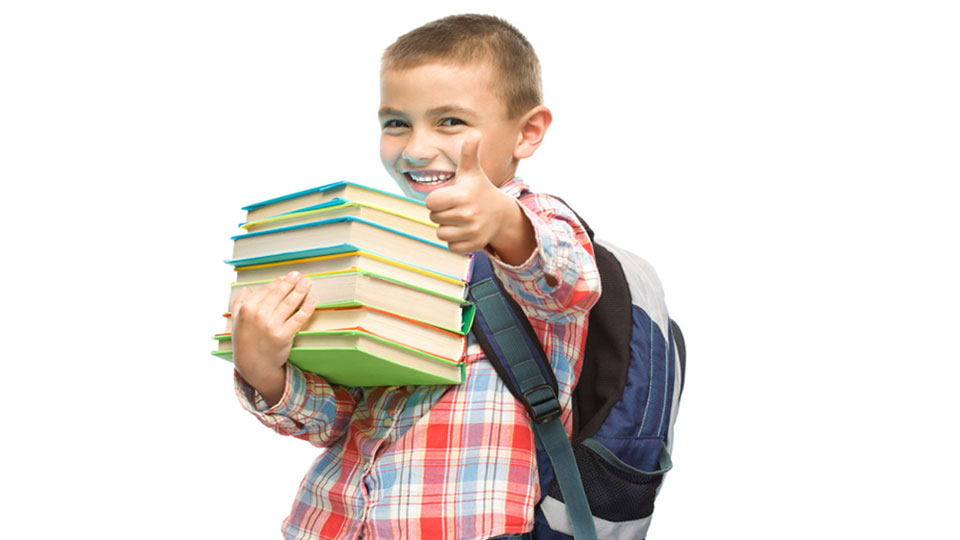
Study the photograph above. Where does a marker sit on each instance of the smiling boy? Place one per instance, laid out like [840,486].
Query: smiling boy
[434,117]
[460,106]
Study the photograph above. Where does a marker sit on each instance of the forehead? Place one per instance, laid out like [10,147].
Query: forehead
[441,84]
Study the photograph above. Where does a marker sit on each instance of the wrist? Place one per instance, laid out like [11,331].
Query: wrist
[515,239]
[269,382]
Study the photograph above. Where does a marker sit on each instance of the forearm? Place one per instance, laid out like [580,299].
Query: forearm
[270,383]
[516,239]
[308,407]
[559,280]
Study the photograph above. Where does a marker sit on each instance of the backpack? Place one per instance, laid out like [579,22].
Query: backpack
[602,483]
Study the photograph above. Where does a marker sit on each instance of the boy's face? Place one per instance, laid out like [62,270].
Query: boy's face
[425,113]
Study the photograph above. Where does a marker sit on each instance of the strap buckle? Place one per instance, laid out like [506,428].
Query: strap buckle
[542,403]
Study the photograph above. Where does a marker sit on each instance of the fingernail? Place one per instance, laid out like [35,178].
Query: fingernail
[293,275]
[302,284]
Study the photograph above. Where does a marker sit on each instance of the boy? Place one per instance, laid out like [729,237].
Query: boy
[460,106]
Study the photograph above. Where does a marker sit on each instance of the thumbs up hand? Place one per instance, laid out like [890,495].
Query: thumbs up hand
[471,210]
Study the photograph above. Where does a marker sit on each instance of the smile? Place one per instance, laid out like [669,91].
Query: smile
[428,178]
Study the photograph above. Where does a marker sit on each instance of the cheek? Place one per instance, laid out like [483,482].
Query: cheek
[496,161]
[389,151]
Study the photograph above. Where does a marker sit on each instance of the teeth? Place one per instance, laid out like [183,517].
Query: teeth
[429,179]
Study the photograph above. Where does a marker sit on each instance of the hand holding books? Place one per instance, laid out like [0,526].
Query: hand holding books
[386,301]
[264,324]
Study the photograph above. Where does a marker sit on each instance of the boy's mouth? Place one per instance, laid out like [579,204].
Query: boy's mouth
[428,177]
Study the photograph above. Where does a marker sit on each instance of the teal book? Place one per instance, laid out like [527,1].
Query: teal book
[344,190]
[352,231]
[338,207]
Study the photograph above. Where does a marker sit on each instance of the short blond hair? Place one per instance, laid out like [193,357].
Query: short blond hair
[465,39]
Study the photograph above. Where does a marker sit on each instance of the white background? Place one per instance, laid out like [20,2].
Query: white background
[788,167]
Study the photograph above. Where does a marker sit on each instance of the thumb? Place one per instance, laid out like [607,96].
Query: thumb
[469,155]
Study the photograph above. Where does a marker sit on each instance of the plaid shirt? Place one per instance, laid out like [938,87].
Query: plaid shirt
[441,462]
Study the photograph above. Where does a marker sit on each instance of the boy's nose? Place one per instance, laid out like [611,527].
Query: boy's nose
[416,162]
[419,151]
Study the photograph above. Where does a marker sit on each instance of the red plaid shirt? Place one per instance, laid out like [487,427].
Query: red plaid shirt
[441,462]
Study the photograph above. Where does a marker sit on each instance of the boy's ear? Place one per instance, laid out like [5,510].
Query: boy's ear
[533,126]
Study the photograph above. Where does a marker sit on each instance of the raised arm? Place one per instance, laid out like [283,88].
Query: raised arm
[559,281]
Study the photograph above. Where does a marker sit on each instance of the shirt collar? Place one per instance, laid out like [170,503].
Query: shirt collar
[514,187]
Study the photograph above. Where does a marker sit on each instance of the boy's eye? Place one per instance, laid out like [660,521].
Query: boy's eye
[448,122]
[394,124]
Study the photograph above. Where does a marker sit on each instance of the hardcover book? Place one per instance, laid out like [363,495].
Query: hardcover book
[356,358]
[343,190]
[405,331]
[350,231]
[356,287]
[360,260]
[338,207]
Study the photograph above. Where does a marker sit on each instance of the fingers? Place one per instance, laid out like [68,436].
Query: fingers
[469,158]
[468,179]
[461,240]
[465,247]
[457,214]
[291,302]
[297,320]
[264,299]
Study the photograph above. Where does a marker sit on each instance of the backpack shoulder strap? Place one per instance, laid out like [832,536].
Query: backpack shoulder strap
[508,340]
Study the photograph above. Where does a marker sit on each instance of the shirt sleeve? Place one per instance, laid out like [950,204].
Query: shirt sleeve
[563,252]
[310,408]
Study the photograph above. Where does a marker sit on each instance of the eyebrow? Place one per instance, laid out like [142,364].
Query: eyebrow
[442,110]
[387,111]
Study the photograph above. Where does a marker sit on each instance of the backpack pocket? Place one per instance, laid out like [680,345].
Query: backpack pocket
[620,495]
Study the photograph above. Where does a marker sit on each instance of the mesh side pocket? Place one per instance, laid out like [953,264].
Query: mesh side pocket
[615,491]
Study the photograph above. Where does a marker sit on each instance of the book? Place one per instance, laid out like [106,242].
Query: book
[349,231]
[338,207]
[359,260]
[356,358]
[390,296]
[411,333]
[344,190]
[357,287]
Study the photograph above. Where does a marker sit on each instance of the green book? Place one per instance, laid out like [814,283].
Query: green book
[356,358]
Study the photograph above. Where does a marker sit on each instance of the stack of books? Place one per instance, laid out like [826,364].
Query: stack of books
[392,306]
